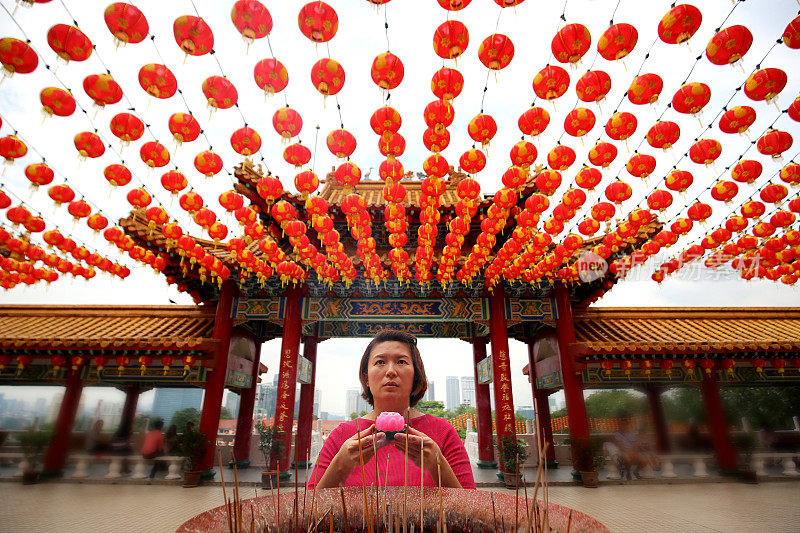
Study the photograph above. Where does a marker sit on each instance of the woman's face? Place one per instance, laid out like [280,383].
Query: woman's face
[390,375]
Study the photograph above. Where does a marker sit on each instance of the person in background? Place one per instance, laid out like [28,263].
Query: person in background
[170,439]
[154,446]
[96,442]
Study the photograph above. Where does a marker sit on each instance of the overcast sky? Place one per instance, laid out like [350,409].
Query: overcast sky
[360,38]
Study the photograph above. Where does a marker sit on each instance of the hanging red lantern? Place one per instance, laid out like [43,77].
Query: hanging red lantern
[184,127]
[102,89]
[579,122]
[271,76]
[699,211]
[752,209]
[570,43]
[454,5]
[193,35]
[496,51]
[523,154]
[472,161]
[327,75]
[551,82]
[204,218]
[682,226]
[482,128]
[156,216]
[385,119]
[391,170]
[729,45]
[691,98]
[645,89]
[765,84]
[126,22]
[618,191]
[246,141]
[791,35]
[269,188]
[11,148]
[154,154]
[548,181]
[679,180]
[794,110]
[773,193]
[190,202]
[318,21]
[774,143]
[306,182]
[298,155]
[533,121]
[593,86]
[139,198]
[57,102]
[387,70]
[588,178]
[231,201]
[789,174]
[39,174]
[746,171]
[679,24]
[157,80]
[439,114]
[17,56]
[220,92]
[663,134]
[127,127]
[736,223]
[603,154]
[174,181]
[561,157]
[252,19]
[20,215]
[450,39]
[89,144]
[641,165]
[437,166]
[737,119]
[79,209]
[434,140]
[341,143]
[659,200]
[117,175]
[208,163]
[447,83]
[391,144]
[782,219]
[621,126]
[287,122]
[705,151]
[588,226]
[617,41]
[69,43]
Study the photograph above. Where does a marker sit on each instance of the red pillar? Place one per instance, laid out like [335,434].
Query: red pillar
[717,424]
[570,373]
[129,409]
[290,345]
[244,422]
[305,415]
[544,428]
[503,398]
[659,421]
[215,382]
[56,454]
[483,404]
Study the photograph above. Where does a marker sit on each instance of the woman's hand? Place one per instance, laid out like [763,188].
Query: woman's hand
[347,457]
[426,456]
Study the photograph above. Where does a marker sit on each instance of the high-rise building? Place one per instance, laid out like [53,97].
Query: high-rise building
[266,398]
[167,401]
[316,402]
[453,395]
[232,403]
[355,403]
[430,395]
[468,390]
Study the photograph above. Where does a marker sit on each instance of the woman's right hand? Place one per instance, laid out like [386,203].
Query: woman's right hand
[347,457]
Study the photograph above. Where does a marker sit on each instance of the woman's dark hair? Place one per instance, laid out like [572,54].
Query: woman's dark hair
[420,384]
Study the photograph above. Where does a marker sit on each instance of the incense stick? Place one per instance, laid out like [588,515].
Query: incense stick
[494,512]
[237,507]
[305,490]
[278,483]
[441,510]
[224,494]
[377,484]
[516,493]
[405,488]
[569,520]
[363,479]
[421,483]
[344,512]
[294,510]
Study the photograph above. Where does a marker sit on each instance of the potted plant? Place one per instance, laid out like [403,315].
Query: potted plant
[271,444]
[513,453]
[192,445]
[587,458]
[33,443]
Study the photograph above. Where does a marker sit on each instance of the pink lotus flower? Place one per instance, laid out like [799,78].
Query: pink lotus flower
[390,421]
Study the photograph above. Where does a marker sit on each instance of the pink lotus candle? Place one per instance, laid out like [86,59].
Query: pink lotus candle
[390,423]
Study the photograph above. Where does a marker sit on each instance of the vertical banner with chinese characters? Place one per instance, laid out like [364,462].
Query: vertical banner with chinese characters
[503,398]
[287,376]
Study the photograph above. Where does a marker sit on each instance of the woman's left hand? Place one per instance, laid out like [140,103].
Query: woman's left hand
[427,457]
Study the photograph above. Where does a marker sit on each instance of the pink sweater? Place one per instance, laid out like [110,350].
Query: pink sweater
[439,429]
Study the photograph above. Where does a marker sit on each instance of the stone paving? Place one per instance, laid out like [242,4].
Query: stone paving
[707,507]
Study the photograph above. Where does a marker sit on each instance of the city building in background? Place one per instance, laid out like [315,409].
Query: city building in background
[167,401]
[232,403]
[468,390]
[430,394]
[453,393]
[355,403]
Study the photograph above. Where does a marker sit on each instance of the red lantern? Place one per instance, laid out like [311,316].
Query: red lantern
[139,198]
[645,89]
[156,216]
[508,3]
[588,226]
[789,174]
[61,194]
[679,180]
[621,126]
[774,143]
[641,165]
[450,39]
[617,41]
[184,127]
[523,154]
[794,110]
[691,98]
[791,35]
[679,24]
[174,181]
[737,119]
[57,102]
[88,144]
[548,181]
[127,127]
[561,157]
[588,178]
[447,83]
[154,154]
[246,141]
[157,80]
[663,134]
[231,201]
[533,121]
[551,82]
[472,161]
[434,140]
[318,21]
[287,122]
[729,45]
[117,175]
[514,177]
[618,191]
[306,182]
[252,19]
[765,84]
[579,122]
[603,154]
[387,71]
[435,165]
[220,92]
[391,144]
[327,75]
[593,86]
[682,226]
[752,209]
[482,128]
[659,200]
[297,154]
[699,211]
[454,5]
[391,170]
[79,209]
[39,174]
[102,89]
[11,148]
[571,43]
[438,114]
[191,202]
[385,119]
[705,151]
[69,43]
[20,215]
[17,56]
[341,143]
[193,35]
[5,201]
[271,76]
[496,51]
[269,188]
[773,193]
[126,22]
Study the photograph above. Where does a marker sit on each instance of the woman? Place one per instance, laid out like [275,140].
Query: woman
[393,380]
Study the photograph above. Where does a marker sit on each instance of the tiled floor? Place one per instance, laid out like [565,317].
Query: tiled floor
[708,507]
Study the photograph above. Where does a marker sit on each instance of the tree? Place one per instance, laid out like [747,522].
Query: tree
[180,418]
[353,415]
[362,413]
[431,408]
[615,403]
[139,422]
[225,414]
